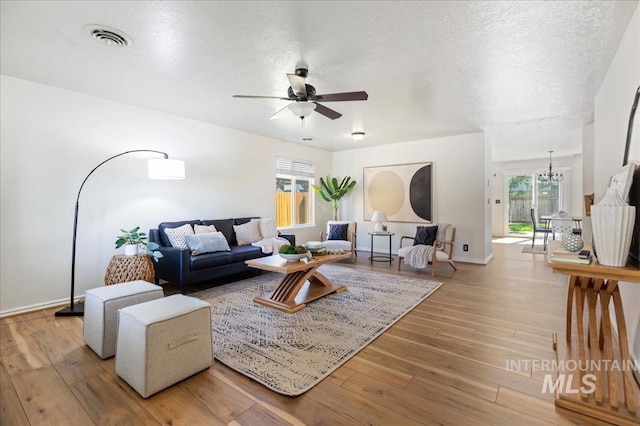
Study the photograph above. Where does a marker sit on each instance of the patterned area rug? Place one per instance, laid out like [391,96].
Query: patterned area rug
[290,353]
[537,249]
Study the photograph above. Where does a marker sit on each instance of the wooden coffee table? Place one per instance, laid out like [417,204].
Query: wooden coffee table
[301,284]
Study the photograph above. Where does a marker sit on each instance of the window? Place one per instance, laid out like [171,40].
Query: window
[294,195]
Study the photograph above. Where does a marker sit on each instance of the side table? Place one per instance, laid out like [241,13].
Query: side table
[124,268]
[593,356]
[381,258]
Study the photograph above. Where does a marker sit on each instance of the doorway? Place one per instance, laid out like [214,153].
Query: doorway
[525,191]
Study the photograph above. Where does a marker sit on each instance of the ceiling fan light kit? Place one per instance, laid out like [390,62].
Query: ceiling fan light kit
[302,109]
[306,100]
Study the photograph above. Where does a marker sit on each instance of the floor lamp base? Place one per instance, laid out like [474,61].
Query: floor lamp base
[77,310]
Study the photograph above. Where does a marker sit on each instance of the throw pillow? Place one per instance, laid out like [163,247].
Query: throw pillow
[268,227]
[176,235]
[203,229]
[425,235]
[338,231]
[247,233]
[207,242]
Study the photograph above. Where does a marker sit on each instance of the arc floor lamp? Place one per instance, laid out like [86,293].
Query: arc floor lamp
[158,168]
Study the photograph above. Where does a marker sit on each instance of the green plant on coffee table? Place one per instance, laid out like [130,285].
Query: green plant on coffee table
[289,249]
[135,237]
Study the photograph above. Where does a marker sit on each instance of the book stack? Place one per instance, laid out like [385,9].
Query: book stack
[564,255]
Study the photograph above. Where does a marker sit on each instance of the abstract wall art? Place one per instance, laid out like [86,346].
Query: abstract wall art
[402,191]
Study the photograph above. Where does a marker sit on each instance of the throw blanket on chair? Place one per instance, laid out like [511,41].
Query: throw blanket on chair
[442,231]
[271,245]
[418,256]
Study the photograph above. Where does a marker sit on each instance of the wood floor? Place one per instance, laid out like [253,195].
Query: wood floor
[443,363]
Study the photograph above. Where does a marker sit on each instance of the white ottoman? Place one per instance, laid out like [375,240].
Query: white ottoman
[162,342]
[101,312]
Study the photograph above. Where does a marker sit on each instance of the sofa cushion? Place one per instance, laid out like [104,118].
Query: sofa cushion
[209,242]
[163,236]
[226,227]
[242,253]
[177,235]
[247,233]
[338,231]
[425,235]
[241,220]
[209,260]
[268,227]
[204,229]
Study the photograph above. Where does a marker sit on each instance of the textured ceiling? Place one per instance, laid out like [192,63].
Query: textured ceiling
[524,72]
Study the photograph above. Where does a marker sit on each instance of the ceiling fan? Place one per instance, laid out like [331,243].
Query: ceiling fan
[305,100]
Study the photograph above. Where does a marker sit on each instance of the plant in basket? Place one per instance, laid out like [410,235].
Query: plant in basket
[133,239]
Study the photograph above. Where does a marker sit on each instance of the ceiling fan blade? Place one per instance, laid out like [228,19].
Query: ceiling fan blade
[260,97]
[346,96]
[280,113]
[327,112]
[298,85]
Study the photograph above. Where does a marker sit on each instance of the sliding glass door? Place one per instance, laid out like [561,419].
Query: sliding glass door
[525,191]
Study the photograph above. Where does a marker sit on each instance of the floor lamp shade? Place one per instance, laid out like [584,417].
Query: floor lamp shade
[162,168]
[165,168]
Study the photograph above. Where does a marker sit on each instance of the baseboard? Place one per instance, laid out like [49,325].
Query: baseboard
[37,307]
[455,259]
[474,260]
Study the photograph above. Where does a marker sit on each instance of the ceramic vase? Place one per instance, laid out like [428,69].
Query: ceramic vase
[573,242]
[131,249]
[612,220]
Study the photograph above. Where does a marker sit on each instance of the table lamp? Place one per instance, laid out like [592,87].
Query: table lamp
[379,217]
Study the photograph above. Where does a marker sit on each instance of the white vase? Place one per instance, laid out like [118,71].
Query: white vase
[573,243]
[131,249]
[612,221]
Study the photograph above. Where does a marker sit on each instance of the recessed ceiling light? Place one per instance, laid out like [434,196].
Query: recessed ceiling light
[109,36]
[357,136]
[307,139]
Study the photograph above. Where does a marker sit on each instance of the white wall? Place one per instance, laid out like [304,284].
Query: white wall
[459,164]
[51,138]
[570,166]
[488,187]
[612,107]
[587,178]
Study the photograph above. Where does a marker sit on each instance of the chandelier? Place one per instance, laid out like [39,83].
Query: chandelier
[550,176]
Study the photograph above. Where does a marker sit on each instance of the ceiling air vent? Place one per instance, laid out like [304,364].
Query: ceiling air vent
[109,36]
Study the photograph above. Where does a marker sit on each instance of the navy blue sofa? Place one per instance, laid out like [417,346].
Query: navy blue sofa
[178,266]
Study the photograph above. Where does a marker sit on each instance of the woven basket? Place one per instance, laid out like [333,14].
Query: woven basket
[122,269]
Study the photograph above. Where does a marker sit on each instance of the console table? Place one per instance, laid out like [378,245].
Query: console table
[615,396]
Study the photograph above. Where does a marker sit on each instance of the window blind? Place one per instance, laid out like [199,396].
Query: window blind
[295,167]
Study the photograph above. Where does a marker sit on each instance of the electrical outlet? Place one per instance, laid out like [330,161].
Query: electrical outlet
[465,247]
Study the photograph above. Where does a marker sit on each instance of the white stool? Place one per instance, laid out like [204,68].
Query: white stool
[162,342]
[101,312]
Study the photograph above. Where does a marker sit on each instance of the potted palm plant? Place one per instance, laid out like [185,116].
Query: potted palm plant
[133,239]
[330,190]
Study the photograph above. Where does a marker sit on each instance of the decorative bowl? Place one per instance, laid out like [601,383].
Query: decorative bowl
[293,257]
[315,245]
